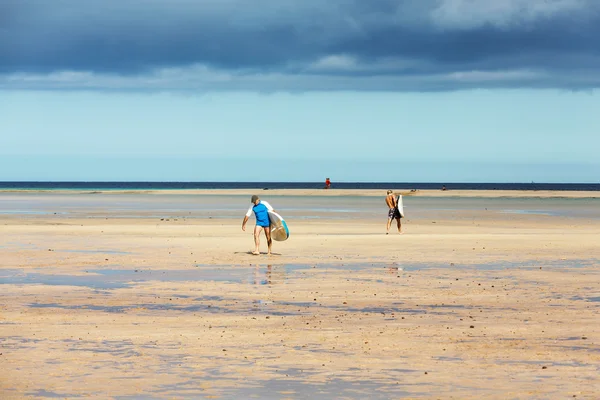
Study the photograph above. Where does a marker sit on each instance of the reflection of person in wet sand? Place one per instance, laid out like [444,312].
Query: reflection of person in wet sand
[393,212]
[261,212]
[273,275]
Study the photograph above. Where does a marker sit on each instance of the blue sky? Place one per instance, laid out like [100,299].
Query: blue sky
[435,90]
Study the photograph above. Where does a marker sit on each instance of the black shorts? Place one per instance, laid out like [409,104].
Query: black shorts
[393,213]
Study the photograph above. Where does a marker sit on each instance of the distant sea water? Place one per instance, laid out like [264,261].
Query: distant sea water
[295,185]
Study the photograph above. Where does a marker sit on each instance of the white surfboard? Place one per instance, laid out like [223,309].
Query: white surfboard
[279,229]
[400,205]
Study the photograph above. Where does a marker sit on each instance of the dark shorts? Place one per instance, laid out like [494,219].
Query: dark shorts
[393,213]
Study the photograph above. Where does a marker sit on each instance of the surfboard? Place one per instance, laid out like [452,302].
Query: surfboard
[400,205]
[279,229]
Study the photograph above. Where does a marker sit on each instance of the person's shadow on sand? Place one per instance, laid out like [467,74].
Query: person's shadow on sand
[261,253]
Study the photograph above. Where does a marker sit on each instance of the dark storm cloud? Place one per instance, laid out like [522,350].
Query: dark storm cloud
[445,43]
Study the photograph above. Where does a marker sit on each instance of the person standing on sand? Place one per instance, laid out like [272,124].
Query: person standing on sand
[261,212]
[393,212]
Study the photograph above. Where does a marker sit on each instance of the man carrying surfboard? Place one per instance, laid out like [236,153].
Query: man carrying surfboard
[393,212]
[261,212]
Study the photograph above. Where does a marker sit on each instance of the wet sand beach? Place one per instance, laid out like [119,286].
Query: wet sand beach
[154,295]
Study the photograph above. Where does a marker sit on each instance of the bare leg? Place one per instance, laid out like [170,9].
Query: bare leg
[389,223]
[268,236]
[257,230]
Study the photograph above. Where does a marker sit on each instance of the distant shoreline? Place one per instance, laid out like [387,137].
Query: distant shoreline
[138,186]
[321,192]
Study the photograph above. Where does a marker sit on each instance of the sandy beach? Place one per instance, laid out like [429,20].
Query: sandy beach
[154,295]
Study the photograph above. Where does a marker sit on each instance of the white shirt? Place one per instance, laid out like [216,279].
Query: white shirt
[249,213]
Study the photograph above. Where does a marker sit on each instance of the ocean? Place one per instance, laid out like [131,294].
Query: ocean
[296,185]
[173,205]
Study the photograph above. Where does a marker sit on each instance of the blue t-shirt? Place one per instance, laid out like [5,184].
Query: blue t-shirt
[262,215]
[261,212]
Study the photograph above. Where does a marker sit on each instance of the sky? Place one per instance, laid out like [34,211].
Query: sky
[300,90]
